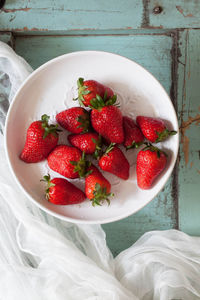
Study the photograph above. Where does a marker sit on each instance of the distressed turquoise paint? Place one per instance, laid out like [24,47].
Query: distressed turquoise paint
[70,15]
[6,37]
[160,213]
[175,14]
[141,48]
[189,110]
[61,15]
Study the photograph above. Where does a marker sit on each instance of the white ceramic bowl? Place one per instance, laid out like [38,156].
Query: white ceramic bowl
[50,89]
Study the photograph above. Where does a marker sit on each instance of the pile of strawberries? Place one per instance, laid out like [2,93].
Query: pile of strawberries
[96,131]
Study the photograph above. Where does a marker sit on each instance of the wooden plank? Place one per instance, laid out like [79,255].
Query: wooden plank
[160,213]
[64,15]
[173,14]
[39,49]
[189,115]
[6,37]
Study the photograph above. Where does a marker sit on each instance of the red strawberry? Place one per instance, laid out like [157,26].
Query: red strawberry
[151,161]
[68,161]
[41,139]
[133,135]
[75,119]
[88,142]
[107,119]
[89,89]
[97,187]
[154,129]
[114,161]
[62,192]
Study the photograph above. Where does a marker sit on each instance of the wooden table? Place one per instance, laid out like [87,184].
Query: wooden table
[164,37]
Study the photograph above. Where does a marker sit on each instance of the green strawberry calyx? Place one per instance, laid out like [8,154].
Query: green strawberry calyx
[98,148]
[164,135]
[98,102]
[49,129]
[82,90]
[84,121]
[47,179]
[100,195]
[82,166]
[134,145]
[154,149]
[109,148]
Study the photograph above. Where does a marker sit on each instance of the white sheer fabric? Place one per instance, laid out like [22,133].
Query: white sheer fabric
[44,258]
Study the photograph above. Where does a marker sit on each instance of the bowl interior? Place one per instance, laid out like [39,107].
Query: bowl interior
[50,89]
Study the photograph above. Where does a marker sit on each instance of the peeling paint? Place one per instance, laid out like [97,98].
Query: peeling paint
[184,139]
[185,124]
[6,10]
[145,14]
[29,29]
[179,8]
[12,18]
[186,143]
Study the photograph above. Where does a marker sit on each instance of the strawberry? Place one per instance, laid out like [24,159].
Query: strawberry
[89,142]
[97,187]
[151,161]
[133,136]
[114,161]
[41,139]
[107,119]
[75,119]
[62,192]
[154,129]
[68,161]
[89,89]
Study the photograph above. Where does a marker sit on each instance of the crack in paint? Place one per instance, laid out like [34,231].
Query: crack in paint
[185,125]
[145,14]
[12,10]
[6,10]
[179,8]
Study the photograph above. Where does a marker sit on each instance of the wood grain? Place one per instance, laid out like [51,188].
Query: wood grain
[175,14]
[61,15]
[189,117]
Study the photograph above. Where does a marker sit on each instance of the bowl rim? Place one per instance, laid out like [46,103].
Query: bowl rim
[71,219]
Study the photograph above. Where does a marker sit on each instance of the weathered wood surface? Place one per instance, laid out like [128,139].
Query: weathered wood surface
[64,15]
[189,116]
[164,37]
[50,15]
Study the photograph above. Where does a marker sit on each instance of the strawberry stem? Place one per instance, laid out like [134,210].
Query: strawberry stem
[81,166]
[47,179]
[134,145]
[82,90]
[98,102]
[100,194]
[49,129]
[80,82]
[154,149]
[164,135]
[98,149]
[84,121]
[110,147]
